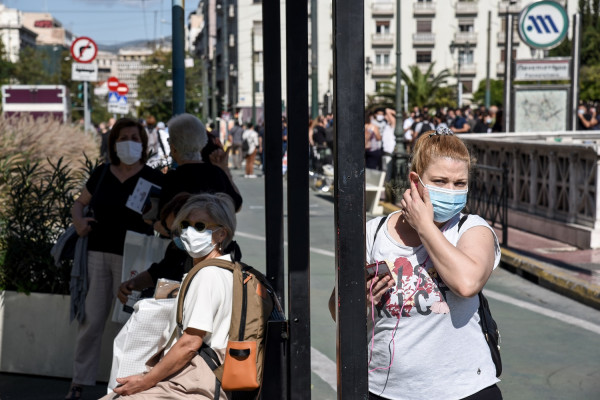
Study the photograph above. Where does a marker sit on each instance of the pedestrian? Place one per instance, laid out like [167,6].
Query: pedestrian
[373,143]
[205,225]
[388,139]
[251,139]
[425,337]
[585,119]
[103,131]
[111,185]
[235,138]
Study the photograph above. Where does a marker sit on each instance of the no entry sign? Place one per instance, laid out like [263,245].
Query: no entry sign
[112,84]
[122,89]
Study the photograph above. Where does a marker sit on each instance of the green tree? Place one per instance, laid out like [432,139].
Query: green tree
[424,88]
[6,67]
[29,70]
[496,92]
[156,98]
[589,89]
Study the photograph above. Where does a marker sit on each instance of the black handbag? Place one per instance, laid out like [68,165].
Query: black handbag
[67,241]
[490,332]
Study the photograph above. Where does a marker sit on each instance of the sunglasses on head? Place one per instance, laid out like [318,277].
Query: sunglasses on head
[199,226]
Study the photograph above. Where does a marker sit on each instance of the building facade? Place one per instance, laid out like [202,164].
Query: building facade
[14,35]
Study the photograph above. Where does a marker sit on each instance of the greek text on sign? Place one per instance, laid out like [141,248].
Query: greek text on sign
[84,72]
[543,24]
[543,70]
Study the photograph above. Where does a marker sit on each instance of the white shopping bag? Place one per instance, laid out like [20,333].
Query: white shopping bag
[144,334]
[139,253]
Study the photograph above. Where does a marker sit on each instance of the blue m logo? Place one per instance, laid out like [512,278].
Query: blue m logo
[542,24]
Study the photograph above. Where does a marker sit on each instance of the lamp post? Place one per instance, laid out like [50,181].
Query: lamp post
[461,50]
[398,129]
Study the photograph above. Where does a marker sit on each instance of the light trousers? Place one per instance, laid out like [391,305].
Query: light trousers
[104,278]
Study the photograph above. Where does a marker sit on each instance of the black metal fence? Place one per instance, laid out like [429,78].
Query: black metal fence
[488,196]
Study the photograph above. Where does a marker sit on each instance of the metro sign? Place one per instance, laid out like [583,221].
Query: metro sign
[543,24]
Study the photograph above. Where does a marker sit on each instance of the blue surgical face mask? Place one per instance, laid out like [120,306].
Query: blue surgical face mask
[179,243]
[446,202]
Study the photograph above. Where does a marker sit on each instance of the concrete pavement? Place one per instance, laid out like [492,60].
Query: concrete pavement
[560,267]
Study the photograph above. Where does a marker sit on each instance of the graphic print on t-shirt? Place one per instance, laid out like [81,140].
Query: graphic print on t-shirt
[419,289]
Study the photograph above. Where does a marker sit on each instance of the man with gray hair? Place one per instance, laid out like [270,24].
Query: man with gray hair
[187,138]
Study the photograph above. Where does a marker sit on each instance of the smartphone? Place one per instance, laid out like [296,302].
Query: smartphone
[381,268]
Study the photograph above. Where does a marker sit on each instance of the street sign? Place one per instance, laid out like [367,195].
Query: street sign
[117,104]
[545,69]
[112,84]
[84,50]
[122,89]
[543,24]
[84,72]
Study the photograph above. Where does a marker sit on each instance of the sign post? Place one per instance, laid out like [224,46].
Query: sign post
[84,51]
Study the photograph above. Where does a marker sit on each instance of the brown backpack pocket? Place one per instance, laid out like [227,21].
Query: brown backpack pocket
[239,372]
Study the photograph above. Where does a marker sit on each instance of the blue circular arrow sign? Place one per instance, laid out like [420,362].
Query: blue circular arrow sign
[543,24]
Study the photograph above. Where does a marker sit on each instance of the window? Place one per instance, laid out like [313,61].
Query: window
[382,59]
[465,56]
[258,86]
[467,86]
[258,56]
[423,57]
[382,27]
[424,26]
[466,25]
[503,54]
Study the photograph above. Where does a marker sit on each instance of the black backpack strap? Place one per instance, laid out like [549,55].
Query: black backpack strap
[212,360]
[381,222]
[463,219]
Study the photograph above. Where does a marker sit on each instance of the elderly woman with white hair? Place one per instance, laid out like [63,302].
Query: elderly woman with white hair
[187,138]
[206,226]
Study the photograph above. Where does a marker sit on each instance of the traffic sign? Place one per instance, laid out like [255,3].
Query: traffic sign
[117,104]
[84,72]
[112,84]
[122,89]
[543,24]
[84,50]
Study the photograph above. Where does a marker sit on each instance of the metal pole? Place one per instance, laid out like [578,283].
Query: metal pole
[178,56]
[458,85]
[314,59]
[86,108]
[508,72]
[575,62]
[214,112]
[298,217]
[349,198]
[205,109]
[398,130]
[253,80]
[226,59]
[273,145]
[487,63]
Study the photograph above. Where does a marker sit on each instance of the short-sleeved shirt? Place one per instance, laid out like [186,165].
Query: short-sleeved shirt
[113,218]
[197,178]
[439,348]
[207,304]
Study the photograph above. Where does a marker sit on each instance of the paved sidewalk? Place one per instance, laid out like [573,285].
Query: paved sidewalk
[558,266]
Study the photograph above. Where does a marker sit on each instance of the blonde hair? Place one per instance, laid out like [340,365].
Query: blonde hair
[431,147]
[219,206]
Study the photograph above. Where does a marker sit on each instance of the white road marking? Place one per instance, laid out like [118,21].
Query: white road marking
[541,310]
[323,367]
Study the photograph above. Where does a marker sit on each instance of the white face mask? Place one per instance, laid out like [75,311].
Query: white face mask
[129,152]
[379,118]
[197,244]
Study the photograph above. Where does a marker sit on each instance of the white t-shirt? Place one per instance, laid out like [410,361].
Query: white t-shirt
[439,350]
[207,304]
[389,139]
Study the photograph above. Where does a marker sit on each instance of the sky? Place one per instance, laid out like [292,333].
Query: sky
[109,22]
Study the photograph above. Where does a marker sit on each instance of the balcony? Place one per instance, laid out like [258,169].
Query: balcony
[424,8]
[423,39]
[465,37]
[502,38]
[466,69]
[505,6]
[383,70]
[382,39]
[466,7]
[382,9]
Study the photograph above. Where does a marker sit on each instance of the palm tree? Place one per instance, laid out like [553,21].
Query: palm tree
[424,89]
[427,89]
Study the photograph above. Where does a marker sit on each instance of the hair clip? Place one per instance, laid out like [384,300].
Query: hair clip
[442,130]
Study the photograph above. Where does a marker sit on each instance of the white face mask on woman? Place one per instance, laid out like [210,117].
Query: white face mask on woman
[129,152]
[197,244]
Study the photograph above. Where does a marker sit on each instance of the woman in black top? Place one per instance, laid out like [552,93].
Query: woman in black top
[111,184]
